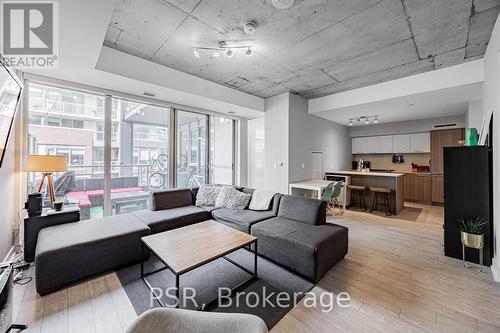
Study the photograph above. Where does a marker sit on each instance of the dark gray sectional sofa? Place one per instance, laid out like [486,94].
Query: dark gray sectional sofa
[292,233]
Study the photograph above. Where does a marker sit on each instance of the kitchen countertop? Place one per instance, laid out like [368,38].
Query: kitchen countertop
[374,174]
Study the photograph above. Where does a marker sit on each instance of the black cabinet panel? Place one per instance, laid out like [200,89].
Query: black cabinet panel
[467,194]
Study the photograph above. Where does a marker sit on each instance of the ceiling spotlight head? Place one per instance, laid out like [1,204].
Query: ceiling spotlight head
[248,52]
[375,120]
[196,53]
[249,27]
[367,121]
[229,53]
[282,4]
[350,122]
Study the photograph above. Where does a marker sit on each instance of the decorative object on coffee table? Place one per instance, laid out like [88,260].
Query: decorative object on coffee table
[472,236]
[47,165]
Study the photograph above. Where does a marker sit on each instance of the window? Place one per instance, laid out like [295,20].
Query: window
[71,123]
[191,149]
[63,122]
[221,150]
[139,133]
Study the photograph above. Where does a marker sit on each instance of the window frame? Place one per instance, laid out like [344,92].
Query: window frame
[108,139]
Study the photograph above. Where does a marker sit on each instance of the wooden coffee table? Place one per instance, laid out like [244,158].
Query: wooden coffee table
[184,249]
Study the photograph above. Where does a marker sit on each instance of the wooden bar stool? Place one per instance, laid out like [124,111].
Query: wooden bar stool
[360,190]
[384,193]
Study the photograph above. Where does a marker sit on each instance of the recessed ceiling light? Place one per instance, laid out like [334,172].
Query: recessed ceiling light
[249,52]
[229,53]
[282,4]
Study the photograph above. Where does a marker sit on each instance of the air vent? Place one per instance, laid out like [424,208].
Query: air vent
[238,82]
[441,126]
[149,94]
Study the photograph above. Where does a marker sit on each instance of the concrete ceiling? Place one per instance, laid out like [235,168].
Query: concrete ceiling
[315,48]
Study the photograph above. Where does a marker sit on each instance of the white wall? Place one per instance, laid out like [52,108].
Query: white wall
[475,114]
[309,133]
[491,102]
[403,127]
[291,135]
[9,184]
[256,153]
[276,143]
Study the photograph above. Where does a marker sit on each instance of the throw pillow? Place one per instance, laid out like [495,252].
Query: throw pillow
[261,200]
[207,195]
[231,198]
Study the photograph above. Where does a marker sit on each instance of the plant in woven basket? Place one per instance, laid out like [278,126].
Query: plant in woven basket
[475,226]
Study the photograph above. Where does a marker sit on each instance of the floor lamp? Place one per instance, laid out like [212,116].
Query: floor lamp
[47,165]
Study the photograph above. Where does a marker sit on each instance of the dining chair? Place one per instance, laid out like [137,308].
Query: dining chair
[330,195]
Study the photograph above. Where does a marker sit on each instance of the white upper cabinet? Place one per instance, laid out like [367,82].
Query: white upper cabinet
[386,145]
[401,143]
[392,144]
[420,142]
[373,144]
[359,145]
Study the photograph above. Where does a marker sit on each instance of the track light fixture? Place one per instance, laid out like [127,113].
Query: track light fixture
[223,48]
[367,120]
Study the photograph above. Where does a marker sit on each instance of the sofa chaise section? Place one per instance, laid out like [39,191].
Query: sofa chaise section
[70,252]
[300,239]
[171,209]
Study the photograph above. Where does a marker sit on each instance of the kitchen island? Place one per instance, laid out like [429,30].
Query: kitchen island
[392,180]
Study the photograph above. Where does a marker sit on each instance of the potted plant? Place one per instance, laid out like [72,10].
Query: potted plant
[472,232]
[472,236]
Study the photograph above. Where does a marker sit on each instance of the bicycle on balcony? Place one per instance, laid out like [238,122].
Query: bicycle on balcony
[158,167]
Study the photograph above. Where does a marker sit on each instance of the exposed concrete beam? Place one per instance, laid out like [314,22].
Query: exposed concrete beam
[120,63]
[459,75]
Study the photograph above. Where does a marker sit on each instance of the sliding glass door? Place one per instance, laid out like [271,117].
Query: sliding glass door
[221,150]
[191,148]
[139,154]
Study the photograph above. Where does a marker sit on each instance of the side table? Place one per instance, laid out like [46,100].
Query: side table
[49,217]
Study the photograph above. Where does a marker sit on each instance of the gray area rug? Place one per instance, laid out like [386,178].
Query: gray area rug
[205,281]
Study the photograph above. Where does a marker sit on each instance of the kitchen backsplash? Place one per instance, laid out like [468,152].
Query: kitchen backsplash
[384,161]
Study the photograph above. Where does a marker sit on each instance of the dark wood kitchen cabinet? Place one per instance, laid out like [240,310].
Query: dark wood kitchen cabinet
[418,187]
[439,140]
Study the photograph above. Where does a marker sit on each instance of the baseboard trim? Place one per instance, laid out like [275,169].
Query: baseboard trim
[495,274]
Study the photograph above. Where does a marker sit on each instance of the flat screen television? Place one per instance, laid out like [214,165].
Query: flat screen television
[10,93]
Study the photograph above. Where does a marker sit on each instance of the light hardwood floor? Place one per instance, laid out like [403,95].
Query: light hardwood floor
[395,272]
